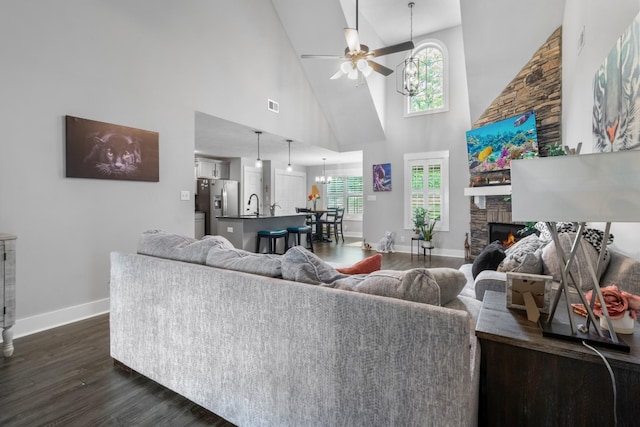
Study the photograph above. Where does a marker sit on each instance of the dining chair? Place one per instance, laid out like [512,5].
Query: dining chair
[333,222]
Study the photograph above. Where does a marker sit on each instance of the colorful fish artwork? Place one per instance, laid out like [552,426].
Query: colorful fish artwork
[485,153]
[491,147]
[522,119]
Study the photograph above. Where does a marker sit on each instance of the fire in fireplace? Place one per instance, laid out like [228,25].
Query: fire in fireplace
[505,233]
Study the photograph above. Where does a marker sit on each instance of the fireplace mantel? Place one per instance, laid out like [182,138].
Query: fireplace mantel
[489,190]
[480,194]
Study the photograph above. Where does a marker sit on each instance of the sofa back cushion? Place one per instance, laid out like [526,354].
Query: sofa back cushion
[269,265]
[418,285]
[450,281]
[161,244]
[624,272]
[300,265]
[579,268]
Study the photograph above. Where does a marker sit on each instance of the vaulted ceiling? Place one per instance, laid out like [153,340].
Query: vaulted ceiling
[354,109]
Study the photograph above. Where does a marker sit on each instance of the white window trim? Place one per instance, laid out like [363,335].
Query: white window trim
[445,77]
[443,224]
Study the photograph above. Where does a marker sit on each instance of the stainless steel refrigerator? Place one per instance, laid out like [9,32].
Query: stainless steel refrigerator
[217,197]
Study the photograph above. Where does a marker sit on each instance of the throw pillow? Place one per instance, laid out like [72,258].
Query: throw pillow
[248,262]
[416,285]
[300,265]
[579,269]
[489,259]
[365,266]
[624,272]
[161,244]
[523,256]
[450,281]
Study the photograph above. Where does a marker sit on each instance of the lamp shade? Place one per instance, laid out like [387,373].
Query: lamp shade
[603,187]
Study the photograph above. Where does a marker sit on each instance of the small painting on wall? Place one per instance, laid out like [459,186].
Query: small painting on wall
[106,151]
[616,95]
[382,177]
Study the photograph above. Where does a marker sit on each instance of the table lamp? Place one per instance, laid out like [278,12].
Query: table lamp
[602,187]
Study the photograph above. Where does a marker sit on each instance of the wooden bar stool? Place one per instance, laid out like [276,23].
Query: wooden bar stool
[298,230]
[272,237]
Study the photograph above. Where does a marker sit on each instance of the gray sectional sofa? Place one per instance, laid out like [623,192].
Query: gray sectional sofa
[267,351]
[537,255]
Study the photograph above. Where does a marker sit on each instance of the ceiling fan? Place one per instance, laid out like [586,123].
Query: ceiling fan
[358,58]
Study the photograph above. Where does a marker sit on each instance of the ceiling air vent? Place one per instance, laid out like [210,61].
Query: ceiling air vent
[273,106]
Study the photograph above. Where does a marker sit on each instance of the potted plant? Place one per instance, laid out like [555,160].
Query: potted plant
[423,225]
[419,214]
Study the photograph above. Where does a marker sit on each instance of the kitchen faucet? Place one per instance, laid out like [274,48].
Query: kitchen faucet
[257,212]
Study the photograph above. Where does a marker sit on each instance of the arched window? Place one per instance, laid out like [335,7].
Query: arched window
[435,97]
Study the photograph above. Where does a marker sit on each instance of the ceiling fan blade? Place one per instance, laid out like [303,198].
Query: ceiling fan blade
[337,75]
[322,57]
[353,40]
[393,49]
[380,68]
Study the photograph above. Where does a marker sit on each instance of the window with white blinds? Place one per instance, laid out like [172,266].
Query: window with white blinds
[427,186]
[346,192]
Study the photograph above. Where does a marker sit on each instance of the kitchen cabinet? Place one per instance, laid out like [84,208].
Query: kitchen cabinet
[212,169]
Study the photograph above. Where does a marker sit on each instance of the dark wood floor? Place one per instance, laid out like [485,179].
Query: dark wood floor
[64,376]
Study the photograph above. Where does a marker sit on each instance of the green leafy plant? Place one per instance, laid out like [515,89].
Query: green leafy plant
[422,224]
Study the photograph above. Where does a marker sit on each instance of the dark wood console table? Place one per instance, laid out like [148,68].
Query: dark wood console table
[530,380]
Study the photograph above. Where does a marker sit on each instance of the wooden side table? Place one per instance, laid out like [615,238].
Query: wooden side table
[7,290]
[530,380]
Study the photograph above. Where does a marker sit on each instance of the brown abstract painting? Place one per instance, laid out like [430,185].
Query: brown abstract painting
[106,151]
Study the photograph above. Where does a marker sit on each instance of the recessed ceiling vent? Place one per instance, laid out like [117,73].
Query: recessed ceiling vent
[273,106]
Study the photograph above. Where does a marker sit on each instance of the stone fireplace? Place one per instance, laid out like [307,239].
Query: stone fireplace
[497,209]
[507,234]
[537,87]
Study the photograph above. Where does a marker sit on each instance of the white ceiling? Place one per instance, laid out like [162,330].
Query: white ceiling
[316,27]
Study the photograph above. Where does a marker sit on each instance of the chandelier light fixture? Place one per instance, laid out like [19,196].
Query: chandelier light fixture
[412,72]
[258,160]
[324,179]
[289,168]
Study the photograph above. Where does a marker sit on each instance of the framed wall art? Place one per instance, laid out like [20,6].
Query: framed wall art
[382,177]
[616,95]
[107,151]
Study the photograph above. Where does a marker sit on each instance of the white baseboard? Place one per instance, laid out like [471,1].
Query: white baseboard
[454,253]
[52,319]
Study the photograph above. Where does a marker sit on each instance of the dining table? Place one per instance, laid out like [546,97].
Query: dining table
[317,234]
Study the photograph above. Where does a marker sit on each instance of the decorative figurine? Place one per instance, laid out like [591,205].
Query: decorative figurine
[467,247]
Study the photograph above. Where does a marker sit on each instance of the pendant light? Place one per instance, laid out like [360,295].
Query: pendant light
[412,72]
[289,168]
[258,160]
[324,179]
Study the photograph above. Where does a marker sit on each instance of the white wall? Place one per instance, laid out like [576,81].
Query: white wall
[601,31]
[432,132]
[137,64]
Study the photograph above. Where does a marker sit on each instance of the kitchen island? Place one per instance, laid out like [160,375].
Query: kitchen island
[242,230]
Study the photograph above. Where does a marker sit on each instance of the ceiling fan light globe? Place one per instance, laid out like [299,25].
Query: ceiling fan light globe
[362,64]
[353,74]
[367,71]
[345,67]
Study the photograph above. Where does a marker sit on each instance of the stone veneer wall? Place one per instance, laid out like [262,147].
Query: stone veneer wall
[537,87]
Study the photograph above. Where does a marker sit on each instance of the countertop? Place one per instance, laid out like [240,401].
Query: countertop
[259,217]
